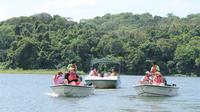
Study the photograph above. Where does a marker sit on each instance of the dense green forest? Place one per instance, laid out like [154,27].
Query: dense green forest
[43,41]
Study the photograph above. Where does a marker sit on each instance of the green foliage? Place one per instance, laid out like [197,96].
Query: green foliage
[43,41]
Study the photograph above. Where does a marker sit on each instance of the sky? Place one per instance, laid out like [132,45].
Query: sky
[87,9]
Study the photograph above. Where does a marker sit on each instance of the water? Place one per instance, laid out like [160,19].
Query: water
[31,93]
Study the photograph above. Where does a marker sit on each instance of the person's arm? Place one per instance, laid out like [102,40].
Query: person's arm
[158,68]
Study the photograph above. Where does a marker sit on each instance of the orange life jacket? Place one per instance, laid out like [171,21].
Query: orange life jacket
[72,76]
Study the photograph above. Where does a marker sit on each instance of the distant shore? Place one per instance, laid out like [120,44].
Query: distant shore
[35,71]
[54,71]
[21,71]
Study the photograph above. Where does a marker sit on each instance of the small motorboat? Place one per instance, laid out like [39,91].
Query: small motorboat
[155,90]
[73,90]
[103,82]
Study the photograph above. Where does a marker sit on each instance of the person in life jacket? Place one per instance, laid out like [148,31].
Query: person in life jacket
[147,79]
[158,79]
[155,68]
[72,77]
[72,65]
[58,78]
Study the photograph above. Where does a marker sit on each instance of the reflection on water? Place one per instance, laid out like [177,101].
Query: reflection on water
[31,93]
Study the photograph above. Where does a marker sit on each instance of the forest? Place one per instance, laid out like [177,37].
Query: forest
[43,41]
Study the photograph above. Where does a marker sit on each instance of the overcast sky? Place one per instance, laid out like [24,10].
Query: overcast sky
[84,9]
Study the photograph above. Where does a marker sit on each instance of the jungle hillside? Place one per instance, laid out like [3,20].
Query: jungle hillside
[45,41]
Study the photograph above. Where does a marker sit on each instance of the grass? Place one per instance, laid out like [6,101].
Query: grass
[34,71]
[21,71]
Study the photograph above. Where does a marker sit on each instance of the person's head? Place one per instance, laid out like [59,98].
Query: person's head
[59,73]
[94,69]
[113,70]
[73,62]
[72,69]
[148,73]
[154,63]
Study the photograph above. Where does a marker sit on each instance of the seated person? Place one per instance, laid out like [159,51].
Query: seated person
[72,77]
[147,79]
[58,78]
[94,72]
[113,72]
[158,79]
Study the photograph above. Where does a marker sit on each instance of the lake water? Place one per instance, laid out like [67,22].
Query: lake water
[31,93]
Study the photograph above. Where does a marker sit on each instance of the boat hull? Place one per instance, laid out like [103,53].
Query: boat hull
[104,82]
[72,90]
[154,90]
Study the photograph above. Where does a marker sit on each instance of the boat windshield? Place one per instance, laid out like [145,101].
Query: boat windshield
[106,65]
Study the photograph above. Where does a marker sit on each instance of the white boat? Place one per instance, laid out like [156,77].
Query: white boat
[72,90]
[103,82]
[155,90]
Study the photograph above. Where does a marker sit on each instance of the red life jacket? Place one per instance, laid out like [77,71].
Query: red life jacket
[158,79]
[154,69]
[72,76]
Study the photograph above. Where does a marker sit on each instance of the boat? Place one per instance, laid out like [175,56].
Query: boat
[73,90]
[156,90]
[105,81]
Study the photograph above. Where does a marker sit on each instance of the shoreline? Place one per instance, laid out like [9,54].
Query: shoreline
[54,71]
[35,71]
[20,71]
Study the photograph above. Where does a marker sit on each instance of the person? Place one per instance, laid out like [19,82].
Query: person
[94,72]
[147,79]
[72,77]
[72,65]
[158,79]
[113,72]
[58,78]
[155,68]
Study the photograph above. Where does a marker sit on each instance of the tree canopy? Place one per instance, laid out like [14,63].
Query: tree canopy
[43,41]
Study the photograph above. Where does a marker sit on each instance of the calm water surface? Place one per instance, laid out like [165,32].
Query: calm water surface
[31,93]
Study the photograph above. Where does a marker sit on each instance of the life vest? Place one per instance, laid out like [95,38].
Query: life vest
[58,79]
[72,77]
[158,79]
[154,69]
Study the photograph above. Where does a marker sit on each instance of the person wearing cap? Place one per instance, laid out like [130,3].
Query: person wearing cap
[72,65]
